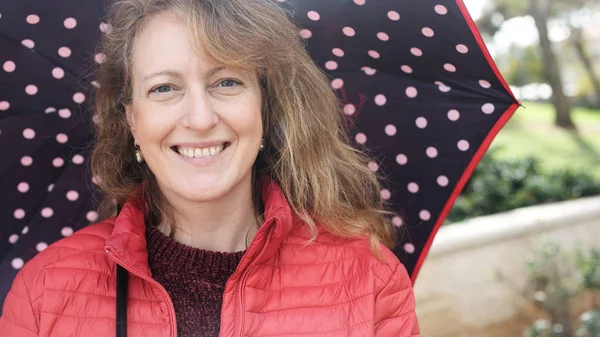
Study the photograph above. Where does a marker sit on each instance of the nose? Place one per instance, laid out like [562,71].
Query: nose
[199,113]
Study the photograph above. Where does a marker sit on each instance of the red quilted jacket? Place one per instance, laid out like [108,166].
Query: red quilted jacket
[333,287]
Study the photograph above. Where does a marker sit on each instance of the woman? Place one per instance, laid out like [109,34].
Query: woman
[245,210]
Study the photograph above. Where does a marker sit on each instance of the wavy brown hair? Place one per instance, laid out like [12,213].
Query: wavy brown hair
[307,151]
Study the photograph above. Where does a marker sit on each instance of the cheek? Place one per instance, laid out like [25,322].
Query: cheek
[154,123]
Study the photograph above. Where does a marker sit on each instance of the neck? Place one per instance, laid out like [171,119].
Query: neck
[227,224]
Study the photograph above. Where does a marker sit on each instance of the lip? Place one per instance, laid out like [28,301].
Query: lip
[202,144]
[203,160]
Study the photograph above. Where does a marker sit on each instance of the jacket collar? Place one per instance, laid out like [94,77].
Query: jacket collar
[128,239]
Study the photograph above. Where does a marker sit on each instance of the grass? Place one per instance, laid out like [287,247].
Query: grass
[531,132]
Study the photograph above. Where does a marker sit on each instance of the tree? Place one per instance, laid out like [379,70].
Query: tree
[541,12]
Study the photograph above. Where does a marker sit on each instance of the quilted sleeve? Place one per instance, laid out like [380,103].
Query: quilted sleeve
[395,302]
[18,317]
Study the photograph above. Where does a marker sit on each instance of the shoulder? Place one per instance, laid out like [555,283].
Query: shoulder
[356,250]
[82,250]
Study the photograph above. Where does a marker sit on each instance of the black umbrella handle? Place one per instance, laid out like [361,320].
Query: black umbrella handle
[122,280]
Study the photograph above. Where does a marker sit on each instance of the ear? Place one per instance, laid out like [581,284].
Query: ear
[130,118]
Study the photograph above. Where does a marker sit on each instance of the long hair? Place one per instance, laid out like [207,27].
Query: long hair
[325,179]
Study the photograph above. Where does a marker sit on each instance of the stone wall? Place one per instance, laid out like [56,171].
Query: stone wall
[456,291]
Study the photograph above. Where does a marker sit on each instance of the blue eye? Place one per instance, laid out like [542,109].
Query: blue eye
[162,88]
[228,83]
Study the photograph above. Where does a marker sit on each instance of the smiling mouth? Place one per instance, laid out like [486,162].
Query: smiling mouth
[200,152]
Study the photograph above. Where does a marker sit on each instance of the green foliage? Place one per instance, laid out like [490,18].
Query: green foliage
[501,185]
[523,66]
[555,277]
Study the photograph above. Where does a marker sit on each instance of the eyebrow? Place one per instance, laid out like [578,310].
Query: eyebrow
[177,74]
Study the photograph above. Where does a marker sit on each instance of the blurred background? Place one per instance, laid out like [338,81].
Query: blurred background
[520,252]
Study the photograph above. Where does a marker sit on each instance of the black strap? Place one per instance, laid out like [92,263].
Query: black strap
[122,279]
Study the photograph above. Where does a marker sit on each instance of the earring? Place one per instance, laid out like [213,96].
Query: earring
[138,152]
[262,146]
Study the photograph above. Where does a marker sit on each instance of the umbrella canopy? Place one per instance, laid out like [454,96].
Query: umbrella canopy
[416,83]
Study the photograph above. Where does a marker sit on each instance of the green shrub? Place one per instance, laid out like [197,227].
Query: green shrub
[501,185]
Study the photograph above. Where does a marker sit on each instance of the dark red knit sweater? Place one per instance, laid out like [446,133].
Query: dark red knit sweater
[195,280]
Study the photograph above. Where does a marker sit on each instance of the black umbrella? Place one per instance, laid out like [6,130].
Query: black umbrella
[414,78]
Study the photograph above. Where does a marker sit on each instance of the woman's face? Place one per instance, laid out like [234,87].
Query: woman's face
[198,125]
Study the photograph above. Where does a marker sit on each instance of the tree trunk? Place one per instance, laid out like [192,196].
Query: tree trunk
[577,39]
[539,11]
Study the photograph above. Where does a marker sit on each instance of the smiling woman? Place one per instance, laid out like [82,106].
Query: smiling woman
[244,209]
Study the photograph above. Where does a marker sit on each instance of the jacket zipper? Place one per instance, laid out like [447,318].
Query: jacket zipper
[162,289]
[243,285]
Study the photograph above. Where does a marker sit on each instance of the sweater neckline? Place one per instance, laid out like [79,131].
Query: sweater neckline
[166,253]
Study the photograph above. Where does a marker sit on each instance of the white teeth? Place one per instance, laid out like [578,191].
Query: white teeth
[200,152]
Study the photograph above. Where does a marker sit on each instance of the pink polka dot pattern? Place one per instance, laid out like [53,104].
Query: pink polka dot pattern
[374,54]
[305,33]
[393,15]
[64,113]
[70,23]
[431,152]
[382,59]
[78,98]
[401,159]
[421,122]
[32,19]
[416,51]
[390,130]
[337,83]
[17,263]
[9,66]
[453,115]
[463,145]
[62,138]
[361,138]
[31,89]
[72,195]
[313,15]
[369,71]
[348,31]
[58,162]
[66,231]
[47,212]
[64,52]
[337,52]
[349,109]
[26,161]
[23,187]
[383,36]
[461,48]
[41,246]
[441,9]
[373,167]
[450,67]
[91,216]
[427,32]
[331,65]
[413,187]
[28,133]
[58,73]
[488,108]
[28,43]
[19,214]
[78,159]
